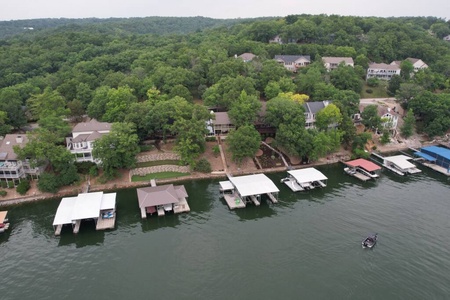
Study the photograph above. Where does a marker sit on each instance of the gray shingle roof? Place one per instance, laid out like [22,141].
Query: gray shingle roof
[160,195]
[291,58]
[92,125]
[10,140]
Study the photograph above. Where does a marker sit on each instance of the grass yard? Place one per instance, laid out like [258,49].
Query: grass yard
[377,92]
[157,163]
[161,175]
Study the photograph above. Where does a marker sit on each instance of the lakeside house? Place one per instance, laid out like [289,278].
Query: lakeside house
[293,62]
[219,125]
[417,63]
[311,109]
[276,39]
[12,168]
[389,116]
[382,71]
[84,134]
[161,199]
[332,63]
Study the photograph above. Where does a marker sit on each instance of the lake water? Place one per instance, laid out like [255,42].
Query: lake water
[306,247]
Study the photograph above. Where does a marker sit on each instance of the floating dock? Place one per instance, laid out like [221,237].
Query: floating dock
[162,199]
[436,158]
[362,169]
[305,179]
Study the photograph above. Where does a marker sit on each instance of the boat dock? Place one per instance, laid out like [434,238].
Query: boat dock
[362,169]
[97,206]
[436,158]
[238,191]
[305,179]
[162,199]
[398,164]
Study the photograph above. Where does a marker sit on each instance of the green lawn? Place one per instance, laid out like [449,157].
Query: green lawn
[377,92]
[157,163]
[161,175]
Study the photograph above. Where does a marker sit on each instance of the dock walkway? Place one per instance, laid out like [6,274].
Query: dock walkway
[104,223]
[233,201]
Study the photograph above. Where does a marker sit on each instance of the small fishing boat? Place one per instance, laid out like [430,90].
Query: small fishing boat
[370,241]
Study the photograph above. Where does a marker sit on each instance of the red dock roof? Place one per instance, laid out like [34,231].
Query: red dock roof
[365,164]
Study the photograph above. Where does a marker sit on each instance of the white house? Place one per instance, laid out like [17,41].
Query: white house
[417,63]
[246,57]
[84,134]
[276,39]
[293,62]
[382,71]
[332,63]
[446,38]
[12,168]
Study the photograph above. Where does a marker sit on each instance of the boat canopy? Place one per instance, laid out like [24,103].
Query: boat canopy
[307,175]
[424,155]
[226,185]
[363,163]
[401,161]
[3,216]
[254,185]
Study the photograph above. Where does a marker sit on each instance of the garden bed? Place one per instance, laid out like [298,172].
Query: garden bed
[269,158]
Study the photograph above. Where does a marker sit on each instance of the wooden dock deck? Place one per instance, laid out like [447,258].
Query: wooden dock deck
[293,185]
[439,169]
[254,200]
[103,224]
[181,207]
[233,201]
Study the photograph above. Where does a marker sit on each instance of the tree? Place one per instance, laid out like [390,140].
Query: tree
[49,102]
[245,110]
[243,142]
[117,149]
[394,85]
[4,128]
[11,104]
[118,102]
[328,116]
[370,117]
[408,124]
[181,91]
[406,92]
[227,90]
[97,108]
[299,98]
[345,78]
[406,69]
[282,110]
[76,109]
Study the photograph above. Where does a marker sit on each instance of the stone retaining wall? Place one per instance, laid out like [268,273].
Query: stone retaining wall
[159,169]
[158,156]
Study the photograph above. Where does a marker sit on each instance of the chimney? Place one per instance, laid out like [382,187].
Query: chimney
[19,139]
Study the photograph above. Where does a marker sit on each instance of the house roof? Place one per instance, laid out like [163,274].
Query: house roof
[247,56]
[292,58]
[363,163]
[383,66]
[88,137]
[314,106]
[10,140]
[221,118]
[337,60]
[254,185]
[307,175]
[160,195]
[92,125]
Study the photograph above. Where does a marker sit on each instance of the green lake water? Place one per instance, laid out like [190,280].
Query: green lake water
[306,247]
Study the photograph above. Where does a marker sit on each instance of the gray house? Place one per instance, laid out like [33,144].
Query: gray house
[293,62]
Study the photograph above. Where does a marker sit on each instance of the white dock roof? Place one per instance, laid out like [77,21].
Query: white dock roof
[226,185]
[307,175]
[254,185]
[401,161]
[84,206]
[64,211]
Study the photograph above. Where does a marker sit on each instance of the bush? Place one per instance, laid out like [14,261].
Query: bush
[23,187]
[4,184]
[48,182]
[93,171]
[84,167]
[10,184]
[216,150]
[144,148]
[369,91]
[203,166]
[3,193]
[210,138]
[373,82]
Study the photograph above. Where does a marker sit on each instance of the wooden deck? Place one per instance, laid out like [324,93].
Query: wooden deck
[103,224]
[181,207]
[439,169]
[233,201]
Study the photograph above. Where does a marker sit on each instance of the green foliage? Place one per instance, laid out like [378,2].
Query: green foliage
[243,142]
[10,185]
[93,171]
[4,184]
[48,183]
[84,167]
[117,149]
[245,110]
[370,117]
[385,137]
[369,91]
[407,129]
[330,116]
[216,150]
[345,78]
[23,187]
[202,165]
[3,193]
[373,82]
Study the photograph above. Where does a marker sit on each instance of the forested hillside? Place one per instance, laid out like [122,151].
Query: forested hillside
[129,70]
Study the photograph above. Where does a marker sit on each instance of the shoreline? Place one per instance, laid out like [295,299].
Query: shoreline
[335,158]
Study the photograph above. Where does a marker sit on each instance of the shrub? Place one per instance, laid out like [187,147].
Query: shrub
[210,138]
[93,171]
[10,184]
[48,182]
[373,82]
[144,148]
[369,91]
[3,193]
[216,150]
[4,184]
[84,167]
[23,187]
[203,166]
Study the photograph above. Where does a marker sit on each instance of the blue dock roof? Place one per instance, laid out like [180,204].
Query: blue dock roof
[441,151]
[424,155]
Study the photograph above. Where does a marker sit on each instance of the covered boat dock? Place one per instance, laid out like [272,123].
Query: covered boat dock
[436,158]
[362,169]
[97,206]
[239,191]
[4,223]
[162,199]
[400,165]
[305,179]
